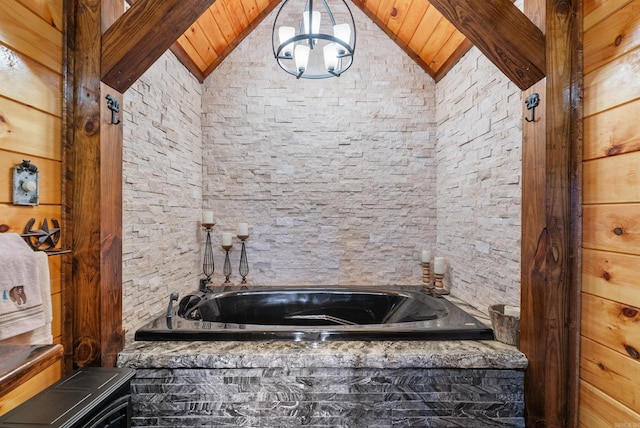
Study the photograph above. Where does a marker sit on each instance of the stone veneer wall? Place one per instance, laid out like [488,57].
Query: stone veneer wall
[336,177]
[162,189]
[479,116]
[328,397]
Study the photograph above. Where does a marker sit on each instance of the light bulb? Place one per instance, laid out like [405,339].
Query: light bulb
[286,33]
[302,57]
[342,32]
[330,57]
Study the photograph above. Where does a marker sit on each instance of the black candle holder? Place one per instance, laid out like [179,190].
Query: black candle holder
[208,266]
[244,264]
[227,265]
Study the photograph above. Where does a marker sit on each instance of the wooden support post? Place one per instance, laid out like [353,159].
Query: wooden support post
[94,188]
[550,222]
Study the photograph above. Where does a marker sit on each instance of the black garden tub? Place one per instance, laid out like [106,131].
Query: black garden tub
[313,314]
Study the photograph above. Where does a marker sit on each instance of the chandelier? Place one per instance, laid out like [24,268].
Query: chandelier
[324,43]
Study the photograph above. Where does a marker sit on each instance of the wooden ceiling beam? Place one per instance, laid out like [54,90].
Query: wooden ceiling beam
[503,34]
[139,37]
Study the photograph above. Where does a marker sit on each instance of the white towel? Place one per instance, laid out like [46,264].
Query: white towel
[41,335]
[21,308]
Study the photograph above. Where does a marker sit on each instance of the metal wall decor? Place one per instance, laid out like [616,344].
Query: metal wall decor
[532,102]
[114,105]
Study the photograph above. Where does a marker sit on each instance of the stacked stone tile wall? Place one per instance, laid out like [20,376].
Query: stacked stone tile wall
[479,116]
[162,189]
[336,177]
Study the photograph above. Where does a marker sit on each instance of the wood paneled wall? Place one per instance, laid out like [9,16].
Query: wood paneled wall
[30,120]
[610,338]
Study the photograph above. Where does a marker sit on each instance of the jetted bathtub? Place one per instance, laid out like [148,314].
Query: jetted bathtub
[313,314]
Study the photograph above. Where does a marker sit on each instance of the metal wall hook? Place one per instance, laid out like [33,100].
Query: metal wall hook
[114,106]
[532,102]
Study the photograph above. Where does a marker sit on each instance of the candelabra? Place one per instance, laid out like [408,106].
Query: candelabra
[427,286]
[207,264]
[438,283]
[227,265]
[243,234]
[438,275]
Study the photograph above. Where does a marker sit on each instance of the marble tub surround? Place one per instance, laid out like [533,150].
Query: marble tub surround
[328,397]
[327,384]
[336,384]
[349,354]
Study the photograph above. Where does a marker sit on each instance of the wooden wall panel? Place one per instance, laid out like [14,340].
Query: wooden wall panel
[613,37]
[27,33]
[29,82]
[612,180]
[599,410]
[597,10]
[610,354]
[617,326]
[49,10]
[613,84]
[611,275]
[612,228]
[612,132]
[612,373]
[30,128]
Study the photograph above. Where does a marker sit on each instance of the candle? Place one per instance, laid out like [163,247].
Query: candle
[207,217]
[243,229]
[438,265]
[426,256]
[226,239]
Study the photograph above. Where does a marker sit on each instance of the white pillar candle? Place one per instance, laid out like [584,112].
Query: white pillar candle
[243,229]
[426,256]
[226,239]
[207,217]
[438,265]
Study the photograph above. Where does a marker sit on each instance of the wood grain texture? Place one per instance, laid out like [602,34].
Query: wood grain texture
[612,373]
[551,191]
[111,333]
[613,179]
[45,376]
[600,410]
[30,83]
[617,326]
[39,40]
[25,129]
[612,37]
[613,84]
[49,10]
[612,132]
[597,10]
[503,33]
[612,276]
[140,36]
[612,228]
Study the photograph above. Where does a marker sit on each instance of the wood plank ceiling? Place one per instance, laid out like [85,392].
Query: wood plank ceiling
[415,25]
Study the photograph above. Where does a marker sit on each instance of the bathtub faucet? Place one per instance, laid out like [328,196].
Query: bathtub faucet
[203,284]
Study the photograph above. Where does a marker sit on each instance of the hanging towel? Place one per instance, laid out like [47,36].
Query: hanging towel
[21,308]
[41,335]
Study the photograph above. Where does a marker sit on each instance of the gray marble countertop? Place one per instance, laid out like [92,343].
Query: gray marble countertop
[487,354]
[346,354]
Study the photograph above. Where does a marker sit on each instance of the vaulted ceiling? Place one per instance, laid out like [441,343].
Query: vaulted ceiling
[415,25]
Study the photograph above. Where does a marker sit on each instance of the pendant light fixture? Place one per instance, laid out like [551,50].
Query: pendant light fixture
[312,41]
